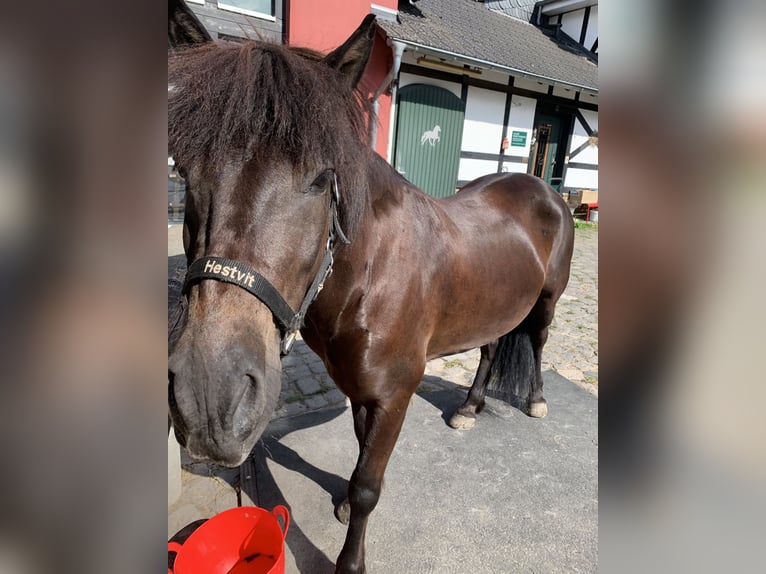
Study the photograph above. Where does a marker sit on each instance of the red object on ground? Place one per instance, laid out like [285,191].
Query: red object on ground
[243,540]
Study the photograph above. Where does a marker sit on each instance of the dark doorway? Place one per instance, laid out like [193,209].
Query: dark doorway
[551,134]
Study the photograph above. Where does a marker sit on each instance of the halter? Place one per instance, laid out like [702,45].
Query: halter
[244,276]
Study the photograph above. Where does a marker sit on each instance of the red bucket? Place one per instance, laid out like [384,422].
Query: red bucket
[243,540]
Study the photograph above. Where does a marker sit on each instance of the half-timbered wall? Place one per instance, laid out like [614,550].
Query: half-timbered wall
[581,25]
[494,110]
[482,133]
[581,170]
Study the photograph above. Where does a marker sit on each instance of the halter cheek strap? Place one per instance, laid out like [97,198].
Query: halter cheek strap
[244,276]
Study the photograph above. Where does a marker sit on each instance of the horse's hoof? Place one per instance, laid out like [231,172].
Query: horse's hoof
[462,422]
[538,410]
[343,512]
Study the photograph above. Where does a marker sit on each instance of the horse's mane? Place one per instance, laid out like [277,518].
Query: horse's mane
[257,100]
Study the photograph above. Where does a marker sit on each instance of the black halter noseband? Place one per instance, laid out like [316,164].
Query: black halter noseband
[244,276]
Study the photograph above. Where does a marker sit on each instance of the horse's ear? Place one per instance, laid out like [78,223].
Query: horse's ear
[351,58]
[184,29]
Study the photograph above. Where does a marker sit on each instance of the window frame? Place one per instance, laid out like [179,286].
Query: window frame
[262,15]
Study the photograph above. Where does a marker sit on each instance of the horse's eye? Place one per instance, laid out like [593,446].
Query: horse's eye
[320,183]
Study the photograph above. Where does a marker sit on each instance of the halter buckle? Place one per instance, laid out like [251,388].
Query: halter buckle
[287,342]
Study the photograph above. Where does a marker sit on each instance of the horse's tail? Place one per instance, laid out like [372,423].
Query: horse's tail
[512,372]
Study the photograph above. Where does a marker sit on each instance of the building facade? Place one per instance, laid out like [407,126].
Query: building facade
[507,85]
[242,19]
[461,88]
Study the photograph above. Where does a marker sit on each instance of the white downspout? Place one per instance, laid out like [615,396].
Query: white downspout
[398,48]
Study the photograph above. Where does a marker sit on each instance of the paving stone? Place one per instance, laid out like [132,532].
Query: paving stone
[308,385]
[317,401]
[210,495]
[316,366]
[334,396]
[295,408]
[571,374]
[300,372]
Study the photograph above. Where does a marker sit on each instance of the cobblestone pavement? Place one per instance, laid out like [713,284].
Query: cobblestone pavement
[572,348]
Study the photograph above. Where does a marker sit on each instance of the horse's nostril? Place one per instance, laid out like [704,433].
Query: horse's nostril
[242,419]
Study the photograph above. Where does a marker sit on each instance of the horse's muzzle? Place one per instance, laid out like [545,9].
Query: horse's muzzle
[221,419]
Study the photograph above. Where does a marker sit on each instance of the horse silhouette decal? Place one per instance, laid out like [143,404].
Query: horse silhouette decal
[431,136]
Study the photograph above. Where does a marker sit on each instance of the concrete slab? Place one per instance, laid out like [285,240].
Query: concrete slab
[514,494]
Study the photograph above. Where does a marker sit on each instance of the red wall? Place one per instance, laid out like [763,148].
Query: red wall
[325,25]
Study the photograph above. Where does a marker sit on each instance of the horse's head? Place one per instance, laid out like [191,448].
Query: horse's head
[259,132]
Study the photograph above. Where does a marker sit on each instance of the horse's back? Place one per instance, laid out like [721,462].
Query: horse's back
[539,211]
[521,205]
[510,242]
[519,194]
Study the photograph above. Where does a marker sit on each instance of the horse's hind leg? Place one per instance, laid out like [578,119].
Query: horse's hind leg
[536,324]
[465,416]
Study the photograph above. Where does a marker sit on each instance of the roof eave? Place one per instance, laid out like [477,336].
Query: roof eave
[554,7]
[498,67]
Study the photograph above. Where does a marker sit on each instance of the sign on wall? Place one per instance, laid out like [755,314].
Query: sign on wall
[518,138]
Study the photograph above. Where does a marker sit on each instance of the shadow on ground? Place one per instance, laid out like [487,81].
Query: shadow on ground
[538,482]
[266,491]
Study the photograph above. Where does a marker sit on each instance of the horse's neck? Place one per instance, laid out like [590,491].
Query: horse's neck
[393,203]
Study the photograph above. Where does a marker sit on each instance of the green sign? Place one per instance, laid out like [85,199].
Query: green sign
[518,138]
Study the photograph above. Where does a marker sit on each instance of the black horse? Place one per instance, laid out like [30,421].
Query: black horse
[289,209]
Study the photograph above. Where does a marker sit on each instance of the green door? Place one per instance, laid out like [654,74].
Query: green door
[545,153]
[428,136]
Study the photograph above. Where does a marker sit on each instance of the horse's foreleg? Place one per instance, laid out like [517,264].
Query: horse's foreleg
[359,411]
[465,416]
[383,422]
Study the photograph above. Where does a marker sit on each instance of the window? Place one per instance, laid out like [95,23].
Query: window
[259,8]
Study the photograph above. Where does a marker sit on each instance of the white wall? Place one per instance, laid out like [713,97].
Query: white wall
[514,167]
[583,178]
[592,32]
[482,131]
[571,23]
[483,127]
[588,155]
[580,136]
[591,117]
[521,118]
[473,168]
